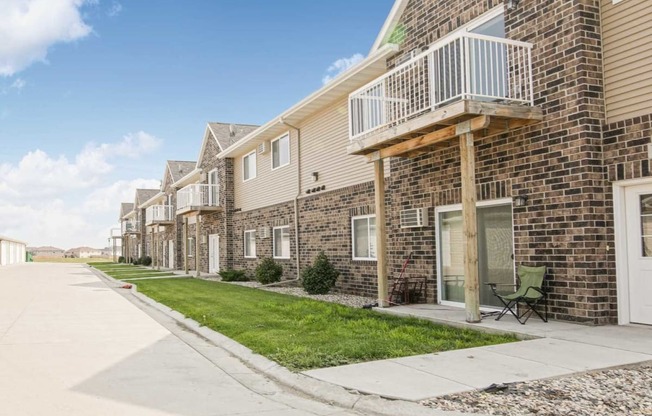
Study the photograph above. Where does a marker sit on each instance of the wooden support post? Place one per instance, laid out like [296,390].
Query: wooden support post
[185,244]
[156,251]
[197,224]
[381,240]
[470,229]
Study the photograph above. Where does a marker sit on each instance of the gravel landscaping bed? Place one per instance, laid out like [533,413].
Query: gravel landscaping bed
[618,392]
[347,300]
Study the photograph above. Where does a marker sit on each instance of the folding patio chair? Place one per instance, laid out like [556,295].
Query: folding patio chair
[530,293]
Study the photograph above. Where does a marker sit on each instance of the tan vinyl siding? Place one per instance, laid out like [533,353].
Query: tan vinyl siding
[324,138]
[627,30]
[269,187]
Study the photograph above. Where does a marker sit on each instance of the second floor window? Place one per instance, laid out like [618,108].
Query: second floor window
[249,166]
[281,151]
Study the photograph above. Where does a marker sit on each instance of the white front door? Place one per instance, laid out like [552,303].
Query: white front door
[171,254]
[213,253]
[638,205]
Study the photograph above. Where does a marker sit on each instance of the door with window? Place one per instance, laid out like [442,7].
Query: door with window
[213,253]
[212,189]
[495,251]
[638,207]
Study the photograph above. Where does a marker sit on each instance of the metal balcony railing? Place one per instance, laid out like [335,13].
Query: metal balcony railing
[198,195]
[462,66]
[159,213]
[130,226]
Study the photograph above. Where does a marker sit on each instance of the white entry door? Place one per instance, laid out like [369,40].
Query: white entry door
[639,252]
[213,253]
[171,254]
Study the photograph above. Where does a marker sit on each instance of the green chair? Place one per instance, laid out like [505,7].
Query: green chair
[529,293]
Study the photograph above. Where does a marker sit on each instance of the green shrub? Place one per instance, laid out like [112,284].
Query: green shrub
[319,278]
[146,261]
[268,271]
[135,262]
[231,275]
[121,259]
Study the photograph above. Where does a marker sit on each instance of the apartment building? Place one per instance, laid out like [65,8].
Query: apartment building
[476,136]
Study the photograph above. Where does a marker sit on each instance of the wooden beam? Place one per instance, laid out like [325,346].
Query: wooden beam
[438,136]
[470,229]
[197,224]
[381,239]
[185,244]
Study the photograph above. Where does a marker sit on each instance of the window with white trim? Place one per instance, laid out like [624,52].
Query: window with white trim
[281,151]
[282,242]
[249,166]
[363,231]
[250,244]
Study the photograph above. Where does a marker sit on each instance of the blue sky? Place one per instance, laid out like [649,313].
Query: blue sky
[96,95]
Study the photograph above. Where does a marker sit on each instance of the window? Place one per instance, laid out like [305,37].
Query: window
[249,166]
[282,242]
[250,244]
[364,237]
[281,152]
[191,246]
[212,188]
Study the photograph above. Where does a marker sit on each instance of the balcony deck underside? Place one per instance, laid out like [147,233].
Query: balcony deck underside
[195,210]
[434,129]
[161,222]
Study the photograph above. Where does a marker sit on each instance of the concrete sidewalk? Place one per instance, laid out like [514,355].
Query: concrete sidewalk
[550,350]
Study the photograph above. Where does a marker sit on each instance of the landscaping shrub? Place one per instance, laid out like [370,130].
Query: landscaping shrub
[135,262]
[121,259]
[269,271]
[319,278]
[146,261]
[231,275]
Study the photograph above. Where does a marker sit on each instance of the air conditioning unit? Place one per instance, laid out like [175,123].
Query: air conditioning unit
[416,217]
[263,232]
[263,148]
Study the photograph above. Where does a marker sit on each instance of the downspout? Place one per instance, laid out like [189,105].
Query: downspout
[296,207]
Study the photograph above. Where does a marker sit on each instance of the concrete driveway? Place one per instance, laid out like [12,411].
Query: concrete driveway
[70,345]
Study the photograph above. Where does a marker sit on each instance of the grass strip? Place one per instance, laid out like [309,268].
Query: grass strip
[302,334]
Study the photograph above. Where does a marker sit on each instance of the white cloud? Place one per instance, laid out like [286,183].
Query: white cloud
[39,175]
[70,202]
[29,27]
[114,10]
[107,199]
[340,66]
[18,84]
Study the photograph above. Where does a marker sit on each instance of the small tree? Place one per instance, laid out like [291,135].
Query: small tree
[319,278]
[268,271]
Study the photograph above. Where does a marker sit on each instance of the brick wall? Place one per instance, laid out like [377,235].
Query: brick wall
[557,163]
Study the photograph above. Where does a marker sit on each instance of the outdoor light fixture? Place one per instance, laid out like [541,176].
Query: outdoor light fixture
[520,200]
[511,4]
[315,176]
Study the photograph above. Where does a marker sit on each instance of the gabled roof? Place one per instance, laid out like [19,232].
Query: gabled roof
[143,195]
[126,208]
[178,169]
[225,134]
[390,25]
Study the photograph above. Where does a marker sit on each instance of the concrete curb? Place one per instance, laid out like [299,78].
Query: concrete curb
[313,388]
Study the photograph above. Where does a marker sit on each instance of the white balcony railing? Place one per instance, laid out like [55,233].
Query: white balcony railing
[159,213]
[463,66]
[198,195]
[130,226]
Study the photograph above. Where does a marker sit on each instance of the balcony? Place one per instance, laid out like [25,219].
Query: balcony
[130,227]
[198,198]
[159,215]
[458,79]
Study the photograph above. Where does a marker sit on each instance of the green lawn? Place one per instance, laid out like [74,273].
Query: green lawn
[128,271]
[302,334]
